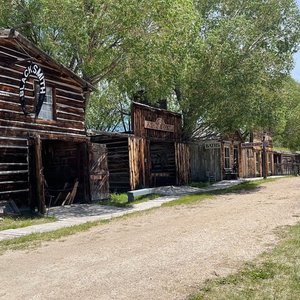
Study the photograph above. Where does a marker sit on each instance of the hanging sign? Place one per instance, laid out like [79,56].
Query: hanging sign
[33,69]
[212,145]
[159,124]
[250,145]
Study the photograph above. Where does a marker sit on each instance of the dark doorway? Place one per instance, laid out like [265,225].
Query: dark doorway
[162,167]
[64,172]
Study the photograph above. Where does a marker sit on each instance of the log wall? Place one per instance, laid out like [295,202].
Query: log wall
[16,128]
[69,99]
[14,170]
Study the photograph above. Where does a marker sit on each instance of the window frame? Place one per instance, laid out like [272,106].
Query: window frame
[227,158]
[54,113]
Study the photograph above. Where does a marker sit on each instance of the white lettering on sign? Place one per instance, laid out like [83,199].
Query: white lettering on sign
[38,72]
[159,124]
[212,145]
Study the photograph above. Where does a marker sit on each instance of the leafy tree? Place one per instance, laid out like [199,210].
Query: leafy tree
[222,62]
[239,65]
[287,135]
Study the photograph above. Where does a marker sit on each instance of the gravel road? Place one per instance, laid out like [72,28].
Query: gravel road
[160,254]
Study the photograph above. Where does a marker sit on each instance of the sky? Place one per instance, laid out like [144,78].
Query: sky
[296,71]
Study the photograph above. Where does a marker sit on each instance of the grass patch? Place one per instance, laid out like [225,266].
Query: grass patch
[200,184]
[121,200]
[275,275]
[9,222]
[34,240]
[242,187]
[189,199]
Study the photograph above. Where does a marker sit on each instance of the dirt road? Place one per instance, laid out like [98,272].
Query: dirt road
[163,254]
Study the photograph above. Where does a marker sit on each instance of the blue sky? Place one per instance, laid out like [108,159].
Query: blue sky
[296,71]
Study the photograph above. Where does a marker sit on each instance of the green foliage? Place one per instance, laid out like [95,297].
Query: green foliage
[239,66]
[288,134]
[222,62]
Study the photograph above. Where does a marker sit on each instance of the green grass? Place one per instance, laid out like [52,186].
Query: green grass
[200,184]
[121,200]
[35,240]
[240,188]
[275,275]
[9,222]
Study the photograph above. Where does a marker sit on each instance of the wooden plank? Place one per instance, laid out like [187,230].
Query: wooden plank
[39,176]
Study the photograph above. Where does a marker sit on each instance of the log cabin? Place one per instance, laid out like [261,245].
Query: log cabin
[43,143]
[153,154]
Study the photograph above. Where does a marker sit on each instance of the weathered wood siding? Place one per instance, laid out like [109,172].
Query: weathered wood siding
[17,129]
[252,162]
[182,156]
[204,163]
[14,169]
[68,97]
[249,161]
[142,113]
[139,175]
[117,161]
[99,174]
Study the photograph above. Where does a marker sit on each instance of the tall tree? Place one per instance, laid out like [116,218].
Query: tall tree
[244,54]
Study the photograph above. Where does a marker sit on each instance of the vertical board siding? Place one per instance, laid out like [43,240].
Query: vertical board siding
[142,113]
[137,147]
[205,163]
[182,157]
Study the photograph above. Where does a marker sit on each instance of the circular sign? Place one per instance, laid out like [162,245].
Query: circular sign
[33,69]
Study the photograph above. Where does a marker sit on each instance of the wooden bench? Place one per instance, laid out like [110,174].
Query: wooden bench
[230,174]
[142,192]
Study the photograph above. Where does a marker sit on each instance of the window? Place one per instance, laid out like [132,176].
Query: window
[227,157]
[46,112]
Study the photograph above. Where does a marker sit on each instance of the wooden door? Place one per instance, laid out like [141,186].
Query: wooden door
[99,174]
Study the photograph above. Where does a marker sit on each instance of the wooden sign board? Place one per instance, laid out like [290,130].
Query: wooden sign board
[159,124]
[212,145]
[250,145]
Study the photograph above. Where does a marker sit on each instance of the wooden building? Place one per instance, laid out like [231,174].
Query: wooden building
[252,156]
[216,159]
[152,155]
[286,163]
[43,144]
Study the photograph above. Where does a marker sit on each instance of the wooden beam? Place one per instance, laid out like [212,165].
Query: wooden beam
[39,174]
